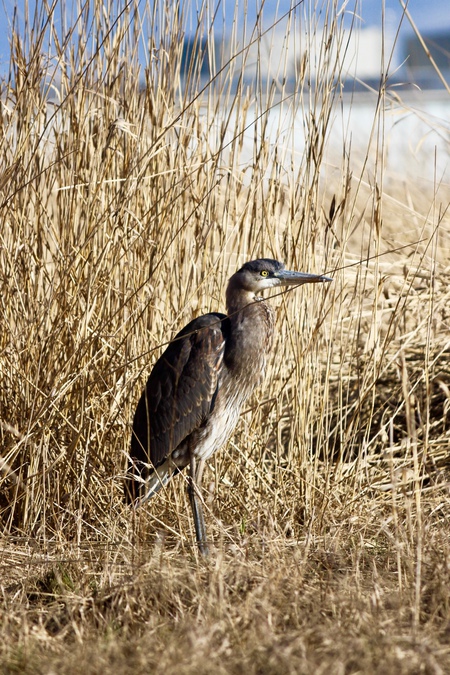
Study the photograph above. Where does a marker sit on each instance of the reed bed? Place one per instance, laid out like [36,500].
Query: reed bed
[136,176]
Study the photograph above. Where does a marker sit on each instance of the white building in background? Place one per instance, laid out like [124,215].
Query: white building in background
[358,54]
[357,58]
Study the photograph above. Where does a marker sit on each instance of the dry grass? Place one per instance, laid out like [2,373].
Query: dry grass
[124,208]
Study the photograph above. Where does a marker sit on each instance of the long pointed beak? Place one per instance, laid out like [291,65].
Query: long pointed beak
[288,278]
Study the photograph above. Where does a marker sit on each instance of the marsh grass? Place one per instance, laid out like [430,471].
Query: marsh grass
[132,186]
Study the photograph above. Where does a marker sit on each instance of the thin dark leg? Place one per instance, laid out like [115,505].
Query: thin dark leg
[195,480]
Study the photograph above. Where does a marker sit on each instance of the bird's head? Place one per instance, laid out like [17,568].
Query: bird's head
[257,275]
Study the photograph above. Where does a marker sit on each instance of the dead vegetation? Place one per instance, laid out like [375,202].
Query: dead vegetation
[131,188]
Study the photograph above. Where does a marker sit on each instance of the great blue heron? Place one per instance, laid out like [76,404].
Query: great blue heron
[196,390]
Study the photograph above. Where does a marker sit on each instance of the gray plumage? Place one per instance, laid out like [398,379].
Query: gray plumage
[194,395]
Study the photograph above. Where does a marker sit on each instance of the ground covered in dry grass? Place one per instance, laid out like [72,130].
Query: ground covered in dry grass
[129,192]
[366,591]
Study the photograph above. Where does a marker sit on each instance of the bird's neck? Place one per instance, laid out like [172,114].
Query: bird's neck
[251,331]
[239,300]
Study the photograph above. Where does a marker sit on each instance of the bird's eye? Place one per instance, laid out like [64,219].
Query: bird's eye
[264,273]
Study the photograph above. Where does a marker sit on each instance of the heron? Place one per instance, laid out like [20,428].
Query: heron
[195,392]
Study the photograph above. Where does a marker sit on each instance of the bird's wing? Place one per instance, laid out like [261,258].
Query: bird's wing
[180,391]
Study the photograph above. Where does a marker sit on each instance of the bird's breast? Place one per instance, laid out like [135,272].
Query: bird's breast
[247,347]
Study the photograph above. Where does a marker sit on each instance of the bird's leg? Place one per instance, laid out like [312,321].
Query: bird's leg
[195,481]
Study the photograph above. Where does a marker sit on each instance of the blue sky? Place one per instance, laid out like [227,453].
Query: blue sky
[429,15]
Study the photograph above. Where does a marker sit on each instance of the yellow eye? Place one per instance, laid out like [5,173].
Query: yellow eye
[264,273]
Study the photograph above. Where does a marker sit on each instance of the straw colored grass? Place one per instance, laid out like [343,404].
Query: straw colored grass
[132,185]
